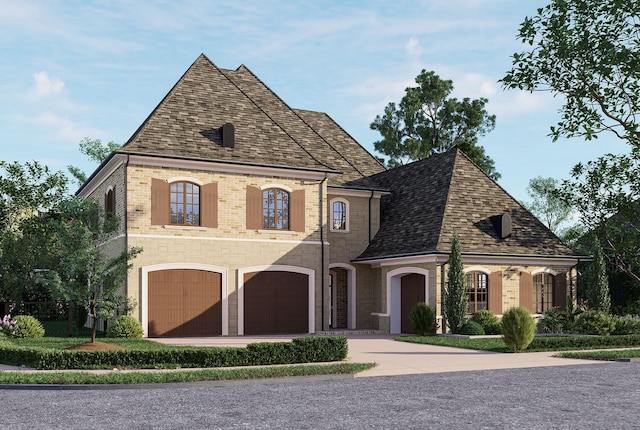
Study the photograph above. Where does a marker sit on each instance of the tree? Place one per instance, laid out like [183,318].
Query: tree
[546,204]
[586,51]
[26,192]
[455,298]
[598,295]
[427,121]
[96,151]
[87,272]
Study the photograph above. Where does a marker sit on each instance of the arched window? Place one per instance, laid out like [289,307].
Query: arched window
[275,209]
[185,203]
[339,216]
[477,291]
[110,202]
[543,291]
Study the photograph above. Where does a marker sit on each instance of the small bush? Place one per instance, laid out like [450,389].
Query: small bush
[125,326]
[488,320]
[518,328]
[423,319]
[27,327]
[472,328]
[595,322]
[627,326]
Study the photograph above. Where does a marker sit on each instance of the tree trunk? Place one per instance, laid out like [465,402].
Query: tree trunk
[94,323]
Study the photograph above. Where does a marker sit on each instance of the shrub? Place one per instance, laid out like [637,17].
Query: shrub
[488,320]
[472,328]
[553,321]
[626,326]
[595,322]
[423,319]
[7,325]
[27,327]
[518,328]
[125,326]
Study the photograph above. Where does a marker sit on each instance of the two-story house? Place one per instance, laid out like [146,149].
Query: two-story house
[256,218]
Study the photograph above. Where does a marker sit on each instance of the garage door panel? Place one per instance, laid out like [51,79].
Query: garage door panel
[185,302]
[276,302]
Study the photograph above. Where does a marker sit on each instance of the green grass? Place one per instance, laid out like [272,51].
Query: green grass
[182,376]
[483,344]
[608,355]
[65,342]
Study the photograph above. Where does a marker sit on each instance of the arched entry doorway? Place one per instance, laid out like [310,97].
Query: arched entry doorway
[405,287]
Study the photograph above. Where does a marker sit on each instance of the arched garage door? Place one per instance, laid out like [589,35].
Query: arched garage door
[276,302]
[185,302]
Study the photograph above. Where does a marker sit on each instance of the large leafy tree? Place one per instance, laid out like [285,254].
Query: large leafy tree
[95,151]
[27,191]
[428,121]
[588,52]
[455,299]
[86,271]
[546,204]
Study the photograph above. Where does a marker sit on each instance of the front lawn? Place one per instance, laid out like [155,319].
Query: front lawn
[609,355]
[540,343]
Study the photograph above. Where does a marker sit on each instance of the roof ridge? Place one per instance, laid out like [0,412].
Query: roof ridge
[269,116]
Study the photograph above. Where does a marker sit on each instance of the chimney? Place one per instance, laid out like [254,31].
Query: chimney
[227,133]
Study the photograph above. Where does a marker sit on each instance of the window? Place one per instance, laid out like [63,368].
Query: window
[275,209]
[543,292]
[477,291]
[185,203]
[110,203]
[339,215]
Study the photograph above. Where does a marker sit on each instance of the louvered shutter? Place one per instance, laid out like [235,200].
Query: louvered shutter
[209,205]
[160,202]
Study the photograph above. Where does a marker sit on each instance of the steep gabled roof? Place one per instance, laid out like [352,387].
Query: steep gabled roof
[267,131]
[432,198]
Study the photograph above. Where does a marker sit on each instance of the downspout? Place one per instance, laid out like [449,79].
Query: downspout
[370,198]
[322,243]
[126,221]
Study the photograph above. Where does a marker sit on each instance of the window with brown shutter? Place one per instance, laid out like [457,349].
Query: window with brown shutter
[159,202]
[209,205]
[495,292]
[296,214]
[275,209]
[526,291]
[254,208]
[560,291]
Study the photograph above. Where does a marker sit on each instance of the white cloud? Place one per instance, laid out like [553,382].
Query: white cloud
[413,47]
[63,128]
[46,86]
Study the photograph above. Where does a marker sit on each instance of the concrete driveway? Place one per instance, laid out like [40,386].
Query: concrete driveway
[403,358]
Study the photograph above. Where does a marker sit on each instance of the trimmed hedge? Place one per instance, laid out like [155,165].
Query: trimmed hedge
[582,342]
[300,350]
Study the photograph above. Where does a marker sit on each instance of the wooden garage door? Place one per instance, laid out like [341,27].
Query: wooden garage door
[411,292]
[185,302]
[276,303]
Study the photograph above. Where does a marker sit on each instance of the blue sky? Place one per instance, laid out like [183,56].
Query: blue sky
[72,69]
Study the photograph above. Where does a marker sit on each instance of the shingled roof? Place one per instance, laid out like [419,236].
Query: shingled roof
[267,131]
[432,198]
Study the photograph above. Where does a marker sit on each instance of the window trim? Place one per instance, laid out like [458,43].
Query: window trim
[476,290]
[550,289]
[347,226]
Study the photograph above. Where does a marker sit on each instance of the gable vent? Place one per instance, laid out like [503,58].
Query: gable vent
[505,226]
[227,133]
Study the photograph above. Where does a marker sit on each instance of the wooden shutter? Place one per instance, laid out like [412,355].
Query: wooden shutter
[296,211]
[209,205]
[254,208]
[526,291]
[560,291]
[495,292]
[160,202]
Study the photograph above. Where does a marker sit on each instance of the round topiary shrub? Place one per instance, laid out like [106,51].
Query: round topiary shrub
[125,326]
[472,328]
[488,320]
[518,328]
[27,327]
[595,322]
[423,319]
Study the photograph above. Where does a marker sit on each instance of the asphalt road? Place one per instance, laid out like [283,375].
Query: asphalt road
[596,396]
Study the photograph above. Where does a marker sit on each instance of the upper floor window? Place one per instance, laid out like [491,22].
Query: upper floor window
[275,209]
[110,202]
[477,291]
[543,291]
[339,215]
[185,203]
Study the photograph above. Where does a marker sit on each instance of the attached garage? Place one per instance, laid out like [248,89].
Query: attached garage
[276,302]
[184,302]
[411,293]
